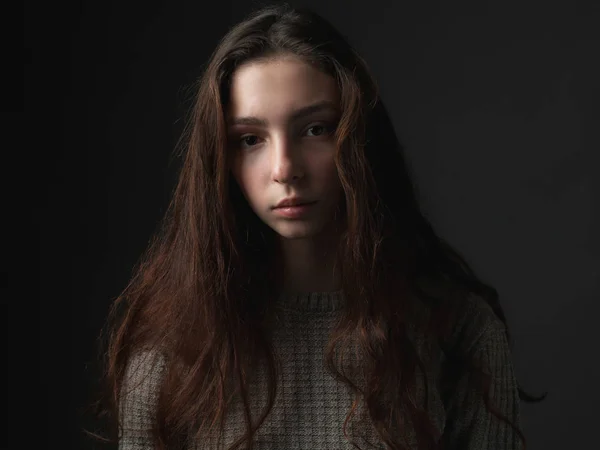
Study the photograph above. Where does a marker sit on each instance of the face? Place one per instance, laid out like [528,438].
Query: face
[281,122]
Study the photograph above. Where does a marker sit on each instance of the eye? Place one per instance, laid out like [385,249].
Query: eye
[249,140]
[319,130]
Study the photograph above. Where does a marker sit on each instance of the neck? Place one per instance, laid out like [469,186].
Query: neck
[309,265]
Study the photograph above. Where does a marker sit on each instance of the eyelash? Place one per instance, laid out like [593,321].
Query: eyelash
[328,129]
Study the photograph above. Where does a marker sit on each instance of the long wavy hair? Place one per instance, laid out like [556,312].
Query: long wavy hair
[202,292]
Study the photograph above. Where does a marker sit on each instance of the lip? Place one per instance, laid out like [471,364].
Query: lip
[292,201]
[294,211]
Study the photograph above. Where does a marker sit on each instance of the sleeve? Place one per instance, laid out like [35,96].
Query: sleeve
[469,424]
[138,400]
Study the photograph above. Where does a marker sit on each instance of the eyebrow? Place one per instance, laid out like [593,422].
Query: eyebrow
[296,115]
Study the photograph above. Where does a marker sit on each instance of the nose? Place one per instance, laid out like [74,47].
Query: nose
[286,161]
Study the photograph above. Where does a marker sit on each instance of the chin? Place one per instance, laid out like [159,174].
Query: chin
[296,231]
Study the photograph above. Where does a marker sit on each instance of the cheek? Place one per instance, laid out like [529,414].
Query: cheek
[248,183]
[236,175]
[326,171]
[239,170]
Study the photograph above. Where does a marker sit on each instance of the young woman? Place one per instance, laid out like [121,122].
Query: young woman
[296,297]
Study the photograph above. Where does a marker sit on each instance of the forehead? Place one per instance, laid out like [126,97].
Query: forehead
[273,89]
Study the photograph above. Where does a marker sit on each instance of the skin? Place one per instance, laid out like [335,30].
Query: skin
[278,155]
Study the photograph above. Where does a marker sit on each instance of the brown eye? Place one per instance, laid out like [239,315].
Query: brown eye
[319,130]
[249,140]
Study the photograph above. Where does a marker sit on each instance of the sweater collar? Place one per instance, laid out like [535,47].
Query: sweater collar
[313,301]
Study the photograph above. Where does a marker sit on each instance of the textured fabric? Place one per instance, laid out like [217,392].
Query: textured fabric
[311,406]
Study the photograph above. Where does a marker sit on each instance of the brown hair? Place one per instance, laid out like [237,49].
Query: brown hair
[202,290]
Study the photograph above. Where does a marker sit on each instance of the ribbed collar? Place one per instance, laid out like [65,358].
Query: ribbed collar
[313,301]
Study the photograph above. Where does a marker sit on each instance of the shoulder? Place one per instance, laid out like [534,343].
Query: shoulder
[138,398]
[476,326]
[469,392]
[144,372]
[145,362]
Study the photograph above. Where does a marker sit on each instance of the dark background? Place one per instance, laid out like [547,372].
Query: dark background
[496,103]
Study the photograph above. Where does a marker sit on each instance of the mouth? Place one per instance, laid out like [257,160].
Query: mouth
[294,211]
[292,202]
[293,205]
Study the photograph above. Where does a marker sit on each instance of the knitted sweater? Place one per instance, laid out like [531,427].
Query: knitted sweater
[311,406]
